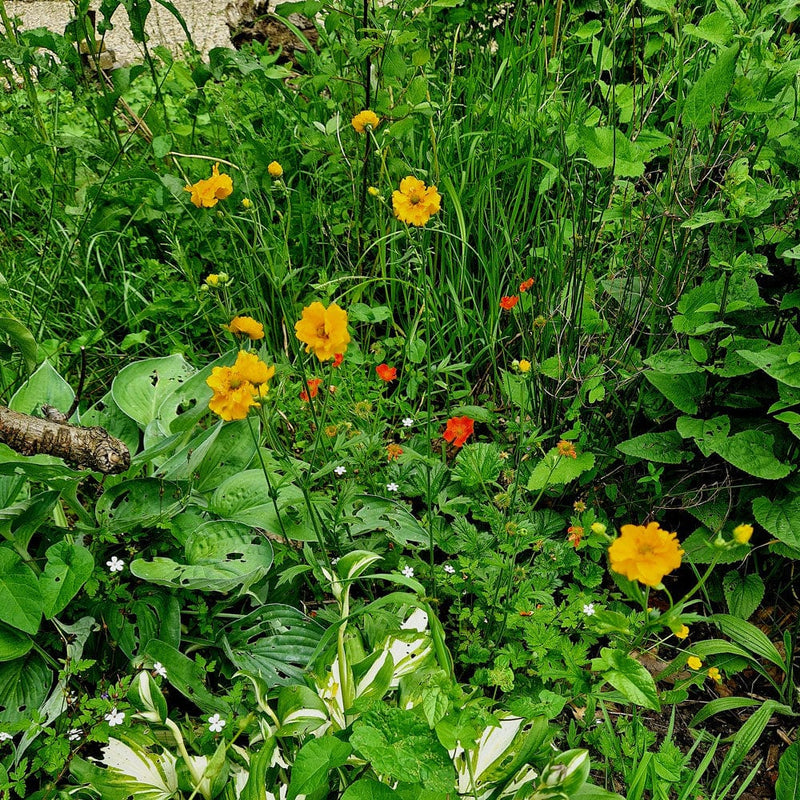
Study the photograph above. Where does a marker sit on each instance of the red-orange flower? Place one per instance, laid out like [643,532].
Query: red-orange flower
[575,535]
[313,388]
[526,284]
[508,303]
[393,451]
[337,359]
[386,373]
[458,430]
[566,449]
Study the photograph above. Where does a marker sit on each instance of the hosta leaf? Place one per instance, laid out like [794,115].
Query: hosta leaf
[45,386]
[23,687]
[68,567]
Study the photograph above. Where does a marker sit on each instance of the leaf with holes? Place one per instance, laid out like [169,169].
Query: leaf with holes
[23,688]
[778,362]
[220,556]
[140,503]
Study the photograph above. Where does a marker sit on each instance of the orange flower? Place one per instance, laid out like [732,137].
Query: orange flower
[458,430]
[323,330]
[207,192]
[508,303]
[393,452]
[575,535]
[337,360]
[645,554]
[566,449]
[386,373]
[313,387]
[415,203]
[247,326]
[526,284]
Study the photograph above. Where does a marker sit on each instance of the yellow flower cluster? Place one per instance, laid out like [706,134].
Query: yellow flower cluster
[239,388]
[207,192]
[645,554]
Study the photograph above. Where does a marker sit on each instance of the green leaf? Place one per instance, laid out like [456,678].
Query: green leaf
[781,518]
[609,147]
[743,593]
[719,705]
[13,643]
[714,28]
[777,361]
[23,688]
[143,502]
[68,567]
[663,448]
[705,432]
[162,145]
[749,637]
[673,362]
[369,789]
[683,391]
[751,451]
[44,387]
[628,677]
[21,338]
[220,556]
[710,90]
[478,465]
[314,761]
[20,598]
[787,786]
[554,469]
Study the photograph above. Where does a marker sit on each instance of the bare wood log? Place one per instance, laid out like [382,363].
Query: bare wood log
[82,448]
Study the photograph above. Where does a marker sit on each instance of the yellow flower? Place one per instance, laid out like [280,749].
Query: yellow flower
[212,280]
[524,365]
[645,554]
[207,192]
[247,202]
[247,326]
[713,673]
[682,632]
[365,119]
[742,533]
[252,369]
[415,203]
[275,169]
[693,662]
[323,330]
[373,191]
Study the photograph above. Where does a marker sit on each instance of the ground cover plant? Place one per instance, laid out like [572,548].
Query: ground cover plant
[457,362]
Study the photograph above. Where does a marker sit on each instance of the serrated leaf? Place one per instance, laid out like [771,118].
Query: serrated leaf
[628,677]
[743,593]
[478,464]
[555,470]
[710,90]
[751,451]
[705,432]
[369,789]
[663,448]
[775,361]
[683,391]
[781,518]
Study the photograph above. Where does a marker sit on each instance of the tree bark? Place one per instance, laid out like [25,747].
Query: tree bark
[82,448]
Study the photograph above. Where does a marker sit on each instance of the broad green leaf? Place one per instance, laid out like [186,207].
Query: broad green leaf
[106,413]
[673,362]
[20,521]
[683,391]
[714,28]
[555,470]
[705,432]
[781,518]
[749,637]
[710,90]
[140,388]
[628,677]
[20,598]
[23,687]
[21,338]
[478,465]
[743,593]
[143,502]
[663,448]
[609,147]
[314,761]
[13,643]
[369,789]
[777,361]
[230,454]
[220,556]
[719,705]
[751,451]
[68,567]
[44,387]
[300,710]
[787,786]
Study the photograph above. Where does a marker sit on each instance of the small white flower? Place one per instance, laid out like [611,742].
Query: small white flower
[392,487]
[4,736]
[340,470]
[334,561]
[408,571]
[160,669]
[115,717]
[216,723]
[449,569]
[74,734]
[115,565]
[407,422]
[588,609]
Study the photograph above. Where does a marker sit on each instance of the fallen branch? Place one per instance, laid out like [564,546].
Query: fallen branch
[82,448]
